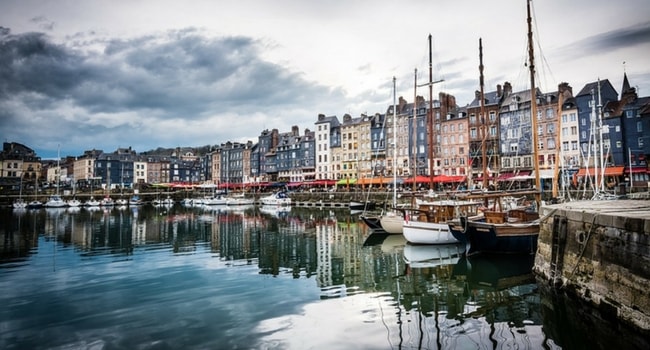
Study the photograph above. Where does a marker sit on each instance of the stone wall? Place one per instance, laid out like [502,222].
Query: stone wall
[600,252]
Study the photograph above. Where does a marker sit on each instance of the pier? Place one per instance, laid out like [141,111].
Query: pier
[599,251]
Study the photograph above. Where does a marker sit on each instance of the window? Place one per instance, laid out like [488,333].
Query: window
[513,133]
[639,126]
[551,143]
[640,142]
[573,117]
[550,128]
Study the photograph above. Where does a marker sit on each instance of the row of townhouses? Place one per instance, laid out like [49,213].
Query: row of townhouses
[593,128]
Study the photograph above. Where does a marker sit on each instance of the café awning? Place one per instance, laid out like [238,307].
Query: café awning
[347,181]
[608,171]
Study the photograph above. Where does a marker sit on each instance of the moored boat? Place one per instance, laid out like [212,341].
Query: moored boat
[135,200]
[239,199]
[107,202]
[55,201]
[277,198]
[92,202]
[74,203]
[19,204]
[429,222]
[506,229]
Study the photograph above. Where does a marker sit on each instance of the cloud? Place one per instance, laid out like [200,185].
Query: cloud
[179,87]
[635,35]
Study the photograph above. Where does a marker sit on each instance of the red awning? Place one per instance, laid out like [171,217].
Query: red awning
[609,171]
[320,183]
[505,176]
[449,178]
[418,179]
[636,170]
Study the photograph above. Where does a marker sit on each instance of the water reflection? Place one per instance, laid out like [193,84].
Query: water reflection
[260,277]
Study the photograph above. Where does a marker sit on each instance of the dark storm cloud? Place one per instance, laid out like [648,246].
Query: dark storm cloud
[635,35]
[104,87]
[31,63]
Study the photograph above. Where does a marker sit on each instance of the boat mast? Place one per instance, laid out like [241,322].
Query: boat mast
[482,96]
[533,105]
[599,135]
[430,118]
[394,146]
[556,168]
[415,129]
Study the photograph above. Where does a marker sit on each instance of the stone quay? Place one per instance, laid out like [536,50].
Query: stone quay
[599,251]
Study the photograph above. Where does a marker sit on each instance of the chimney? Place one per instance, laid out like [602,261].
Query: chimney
[477,94]
[295,131]
[499,91]
[507,88]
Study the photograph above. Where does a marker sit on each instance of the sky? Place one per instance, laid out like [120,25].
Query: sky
[77,75]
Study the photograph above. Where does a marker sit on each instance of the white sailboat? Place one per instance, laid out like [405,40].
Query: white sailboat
[392,221]
[20,202]
[55,200]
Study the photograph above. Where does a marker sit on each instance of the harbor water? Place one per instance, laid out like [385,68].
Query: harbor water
[174,277]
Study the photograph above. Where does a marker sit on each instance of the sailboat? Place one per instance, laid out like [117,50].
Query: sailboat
[55,200]
[392,221]
[20,202]
[427,221]
[35,203]
[503,229]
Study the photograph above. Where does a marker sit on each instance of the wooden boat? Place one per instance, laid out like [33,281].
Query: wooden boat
[429,222]
[503,229]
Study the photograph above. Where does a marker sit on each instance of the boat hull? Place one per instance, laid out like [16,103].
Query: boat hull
[503,238]
[392,223]
[372,221]
[419,232]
